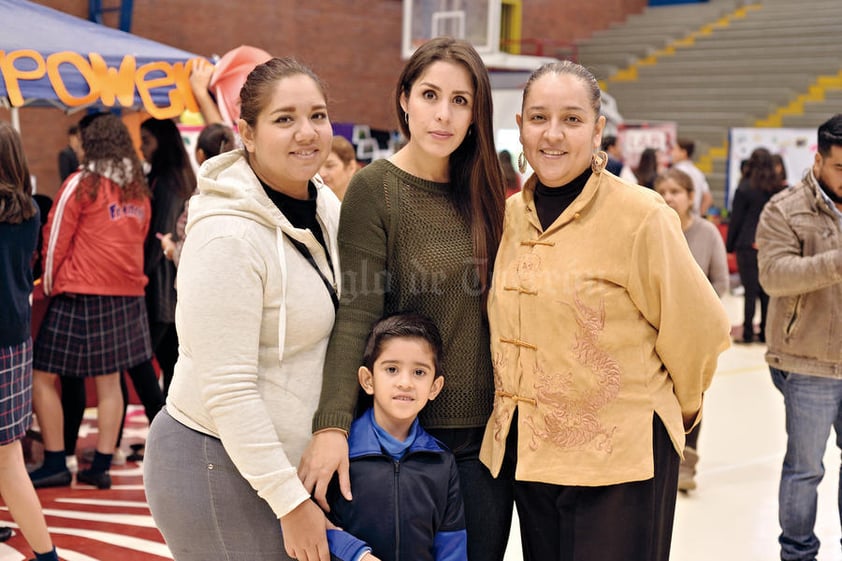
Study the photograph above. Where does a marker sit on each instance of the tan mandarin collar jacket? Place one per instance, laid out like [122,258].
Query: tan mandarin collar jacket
[597,323]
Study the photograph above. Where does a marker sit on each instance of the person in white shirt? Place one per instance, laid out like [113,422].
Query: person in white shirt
[682,159]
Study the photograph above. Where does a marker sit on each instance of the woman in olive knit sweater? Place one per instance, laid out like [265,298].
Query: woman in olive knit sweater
[419,232]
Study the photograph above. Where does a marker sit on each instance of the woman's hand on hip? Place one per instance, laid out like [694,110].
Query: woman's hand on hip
[326,454]
[305,533]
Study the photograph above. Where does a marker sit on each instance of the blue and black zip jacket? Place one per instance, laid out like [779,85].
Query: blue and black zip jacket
[408,509]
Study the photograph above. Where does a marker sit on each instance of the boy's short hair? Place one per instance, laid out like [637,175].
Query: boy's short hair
[687,145]
[407,325]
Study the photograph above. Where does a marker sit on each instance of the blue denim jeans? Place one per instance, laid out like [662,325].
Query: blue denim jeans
[813,405]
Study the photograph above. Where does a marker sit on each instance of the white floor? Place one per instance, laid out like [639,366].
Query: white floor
[732,516]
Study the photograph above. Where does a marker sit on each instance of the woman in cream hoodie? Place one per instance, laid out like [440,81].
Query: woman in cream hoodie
[257,289]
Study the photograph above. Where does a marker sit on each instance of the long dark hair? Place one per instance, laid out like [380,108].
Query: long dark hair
[647,168]
[109,152]
[509,173]
[478,187]
[761,171]
[778,162]
[170,157]
[16,204]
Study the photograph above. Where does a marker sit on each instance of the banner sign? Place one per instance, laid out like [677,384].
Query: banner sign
[106,84]
[635,137]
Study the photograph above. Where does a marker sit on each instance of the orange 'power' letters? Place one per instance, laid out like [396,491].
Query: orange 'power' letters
[107,84]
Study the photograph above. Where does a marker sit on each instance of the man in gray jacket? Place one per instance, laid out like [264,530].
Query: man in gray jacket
[799,242]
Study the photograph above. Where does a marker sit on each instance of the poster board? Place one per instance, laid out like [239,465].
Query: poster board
[796,146]
[636,136]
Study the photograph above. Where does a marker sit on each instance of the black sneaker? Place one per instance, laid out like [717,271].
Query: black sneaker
[41,479]
[99,479]
[137,453]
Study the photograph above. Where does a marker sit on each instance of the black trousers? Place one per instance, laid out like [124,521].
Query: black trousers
[73,400]
[165,347]
[692,438]
[625,522]
[144,380]
[750,278]
[488,501]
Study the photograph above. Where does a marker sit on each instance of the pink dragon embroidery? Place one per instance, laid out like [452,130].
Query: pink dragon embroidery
[573,417]
[501,416]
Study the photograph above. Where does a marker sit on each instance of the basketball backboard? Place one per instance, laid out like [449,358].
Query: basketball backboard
[476,21]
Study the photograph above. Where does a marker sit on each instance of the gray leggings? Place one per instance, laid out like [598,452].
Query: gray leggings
[205,509]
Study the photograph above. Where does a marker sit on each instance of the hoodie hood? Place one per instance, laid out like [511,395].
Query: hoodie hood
[228,186]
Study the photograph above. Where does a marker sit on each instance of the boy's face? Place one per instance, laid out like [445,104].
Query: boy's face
[402,381]
[678,154]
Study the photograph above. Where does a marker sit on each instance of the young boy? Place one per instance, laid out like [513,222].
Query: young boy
[407,505]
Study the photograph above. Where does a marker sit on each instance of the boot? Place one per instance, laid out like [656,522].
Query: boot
[687,470]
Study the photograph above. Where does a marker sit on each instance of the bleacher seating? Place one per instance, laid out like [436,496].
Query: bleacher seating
[722,64]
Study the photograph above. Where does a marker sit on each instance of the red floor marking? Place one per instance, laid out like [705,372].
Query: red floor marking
[109,540]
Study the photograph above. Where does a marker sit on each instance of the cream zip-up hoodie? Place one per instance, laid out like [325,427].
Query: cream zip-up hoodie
[253,320]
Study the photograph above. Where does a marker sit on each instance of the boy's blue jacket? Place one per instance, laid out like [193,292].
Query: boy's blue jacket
[407,510]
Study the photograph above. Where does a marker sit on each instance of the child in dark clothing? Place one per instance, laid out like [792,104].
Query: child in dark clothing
[407,505]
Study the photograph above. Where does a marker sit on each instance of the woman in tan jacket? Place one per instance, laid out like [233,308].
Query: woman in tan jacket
[604,336]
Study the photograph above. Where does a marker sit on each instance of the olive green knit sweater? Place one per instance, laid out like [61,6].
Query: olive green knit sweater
[403,246]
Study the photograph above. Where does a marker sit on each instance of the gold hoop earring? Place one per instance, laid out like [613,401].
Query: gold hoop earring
[599,161]
[521,162]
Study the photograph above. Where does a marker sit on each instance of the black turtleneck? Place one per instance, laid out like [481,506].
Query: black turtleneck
[550,202]
[300,213]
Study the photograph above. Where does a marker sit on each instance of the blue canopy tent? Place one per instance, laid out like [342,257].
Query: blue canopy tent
[49,58]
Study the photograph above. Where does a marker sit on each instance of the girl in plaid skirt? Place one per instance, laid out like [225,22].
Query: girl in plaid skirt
[19,225]
[93,270]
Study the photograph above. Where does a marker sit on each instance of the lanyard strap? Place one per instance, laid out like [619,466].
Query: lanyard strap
[309,256]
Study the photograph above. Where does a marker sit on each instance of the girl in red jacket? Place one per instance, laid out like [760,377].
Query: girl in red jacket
[93,270]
